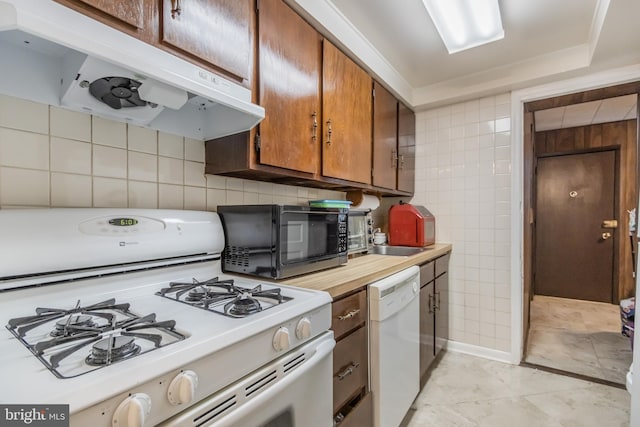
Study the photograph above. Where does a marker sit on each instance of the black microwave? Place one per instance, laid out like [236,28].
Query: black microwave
[279,241]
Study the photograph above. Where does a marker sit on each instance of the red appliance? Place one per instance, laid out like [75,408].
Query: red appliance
[411,225]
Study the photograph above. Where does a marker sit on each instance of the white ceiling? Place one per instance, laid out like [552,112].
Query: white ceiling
[544,40]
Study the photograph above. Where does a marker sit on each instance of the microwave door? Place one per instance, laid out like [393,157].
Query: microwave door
[296,243]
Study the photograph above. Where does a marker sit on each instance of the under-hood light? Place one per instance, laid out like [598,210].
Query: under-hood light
[463,24]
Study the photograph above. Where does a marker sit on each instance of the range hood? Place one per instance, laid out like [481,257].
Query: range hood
[54,55]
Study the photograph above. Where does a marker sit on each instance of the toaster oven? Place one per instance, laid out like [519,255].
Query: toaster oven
[360,231]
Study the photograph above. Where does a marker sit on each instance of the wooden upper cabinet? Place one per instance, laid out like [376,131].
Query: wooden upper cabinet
[289,58]
[385,137]
[406,149]
[135,17]
[214,31]
[346,117]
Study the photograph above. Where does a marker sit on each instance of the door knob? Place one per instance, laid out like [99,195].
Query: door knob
[606,235]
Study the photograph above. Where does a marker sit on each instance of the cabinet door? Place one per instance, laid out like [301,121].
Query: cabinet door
[346,116]
[134,17]
[442,310]
[406,149]
[385,137]
[427,328]
[214,31]
[290,55]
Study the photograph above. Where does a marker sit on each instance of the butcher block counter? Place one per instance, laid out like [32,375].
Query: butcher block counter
[362,270]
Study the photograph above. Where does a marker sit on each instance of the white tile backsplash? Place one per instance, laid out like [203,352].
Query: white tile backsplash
[70,156]
[16,113]
[109,162]
[193,150]
[142,167]
[170,171]
[109,193]
[142,139]
[171,145]
[68,190]
[170,196]
[24,187]
[108,132]
[24,149]
[463,175]
[70,124]
[143,195]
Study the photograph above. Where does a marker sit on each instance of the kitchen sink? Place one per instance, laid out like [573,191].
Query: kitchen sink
[396,250]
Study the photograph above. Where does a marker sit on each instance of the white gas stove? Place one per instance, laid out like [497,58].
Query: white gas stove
[126,316]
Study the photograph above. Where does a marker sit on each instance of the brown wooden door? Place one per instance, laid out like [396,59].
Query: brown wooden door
[574,195]
[385,137]
[290,55]
[346,111]
[427,328]
[214,31]
[406,149]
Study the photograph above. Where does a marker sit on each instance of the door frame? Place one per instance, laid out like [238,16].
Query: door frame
[518,99]
[614,291]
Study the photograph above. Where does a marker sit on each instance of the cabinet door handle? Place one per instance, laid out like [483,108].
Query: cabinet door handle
[350,314]
[348,371]
[315,127]
[329,131]
[431,306]
[401,165]
[394,159]
[436,306]
[176,8]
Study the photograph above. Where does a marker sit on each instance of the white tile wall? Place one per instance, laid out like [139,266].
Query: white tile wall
[50,156]
[463,175]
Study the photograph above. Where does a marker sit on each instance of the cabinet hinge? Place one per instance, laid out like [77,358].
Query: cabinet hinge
[257,142]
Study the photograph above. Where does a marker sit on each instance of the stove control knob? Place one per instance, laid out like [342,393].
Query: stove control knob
[133,411]
[281,339]
[303,329]
[182,389]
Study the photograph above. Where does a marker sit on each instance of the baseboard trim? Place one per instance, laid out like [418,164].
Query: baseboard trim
[475,350]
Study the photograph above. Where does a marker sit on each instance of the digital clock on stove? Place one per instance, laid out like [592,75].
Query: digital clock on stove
[123,222]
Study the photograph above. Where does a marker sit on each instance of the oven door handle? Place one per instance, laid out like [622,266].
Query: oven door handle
[234,418]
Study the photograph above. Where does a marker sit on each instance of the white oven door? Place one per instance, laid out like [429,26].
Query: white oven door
[293,391]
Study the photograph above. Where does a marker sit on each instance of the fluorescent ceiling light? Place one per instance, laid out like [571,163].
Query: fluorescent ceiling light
[464,24]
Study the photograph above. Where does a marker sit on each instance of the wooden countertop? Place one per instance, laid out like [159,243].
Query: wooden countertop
[362,270]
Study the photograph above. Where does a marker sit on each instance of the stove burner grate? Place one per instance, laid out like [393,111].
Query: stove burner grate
[224,297]
[115,332]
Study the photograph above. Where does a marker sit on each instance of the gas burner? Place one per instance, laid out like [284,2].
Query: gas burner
[243,305]
[108,332]
[112,349]
[73,324]
[224,296]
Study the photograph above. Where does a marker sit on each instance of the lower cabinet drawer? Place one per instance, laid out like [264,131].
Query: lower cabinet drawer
[350,367]
[360,415]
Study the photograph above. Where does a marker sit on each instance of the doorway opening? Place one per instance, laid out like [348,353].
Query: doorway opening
[580,179]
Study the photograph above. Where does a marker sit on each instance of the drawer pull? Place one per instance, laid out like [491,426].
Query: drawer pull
[176,8]
[432,307]
[348,371]
[350,314]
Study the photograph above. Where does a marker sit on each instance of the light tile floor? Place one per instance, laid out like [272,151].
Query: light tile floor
[581,337]
[467,391]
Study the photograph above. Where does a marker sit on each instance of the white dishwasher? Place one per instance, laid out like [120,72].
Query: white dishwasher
[394,345]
